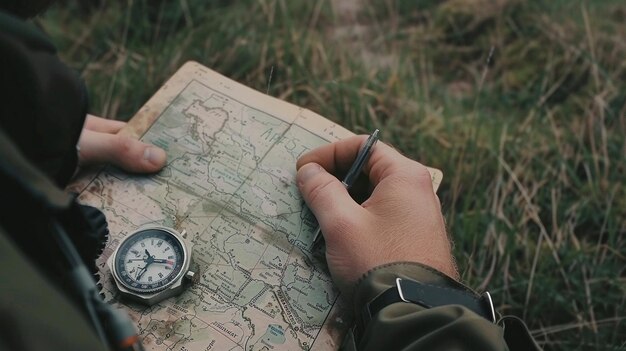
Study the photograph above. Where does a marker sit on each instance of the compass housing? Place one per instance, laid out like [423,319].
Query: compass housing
[176,259]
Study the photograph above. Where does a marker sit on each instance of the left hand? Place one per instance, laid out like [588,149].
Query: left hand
[99,143]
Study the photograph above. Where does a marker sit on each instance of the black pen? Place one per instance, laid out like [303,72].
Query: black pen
[355,170]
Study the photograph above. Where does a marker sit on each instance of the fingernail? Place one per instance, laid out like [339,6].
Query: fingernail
[307,172]
[154,155]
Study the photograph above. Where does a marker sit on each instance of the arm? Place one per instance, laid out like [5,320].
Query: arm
[397,232]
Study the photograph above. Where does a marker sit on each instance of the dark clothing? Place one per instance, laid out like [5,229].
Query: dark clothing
[43,108]
[38,311]
[407,326]
[41,115]
[35,315]
[44,103]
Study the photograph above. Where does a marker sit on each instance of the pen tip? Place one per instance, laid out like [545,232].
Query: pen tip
[375,134]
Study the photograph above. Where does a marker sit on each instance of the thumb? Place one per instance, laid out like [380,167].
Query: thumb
[327,198]
[130,154]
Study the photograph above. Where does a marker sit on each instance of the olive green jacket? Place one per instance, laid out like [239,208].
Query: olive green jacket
[408,326]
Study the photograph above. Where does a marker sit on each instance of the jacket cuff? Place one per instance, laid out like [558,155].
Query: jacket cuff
[381,278]
[412,326]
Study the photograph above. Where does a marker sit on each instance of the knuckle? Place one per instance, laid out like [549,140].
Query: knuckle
[423,177]
[319,191]
[124,144]
[341,225]
[417,175]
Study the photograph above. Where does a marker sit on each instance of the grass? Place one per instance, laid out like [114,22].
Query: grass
[522,104]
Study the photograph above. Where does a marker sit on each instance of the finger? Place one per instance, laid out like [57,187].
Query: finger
[328,199]
[127,153]
[337,157]
[103,125]
[334,157]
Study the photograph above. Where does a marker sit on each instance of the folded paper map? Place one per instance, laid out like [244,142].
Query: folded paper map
[230,183]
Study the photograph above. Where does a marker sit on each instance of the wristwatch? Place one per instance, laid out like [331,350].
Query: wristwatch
[151,264]
[428,296]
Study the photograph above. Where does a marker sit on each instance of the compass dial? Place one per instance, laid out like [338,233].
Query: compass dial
[149,260]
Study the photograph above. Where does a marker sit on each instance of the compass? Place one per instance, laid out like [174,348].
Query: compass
[151,264]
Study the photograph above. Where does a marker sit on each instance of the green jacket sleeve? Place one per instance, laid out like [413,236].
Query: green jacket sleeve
[408,326]
[36,316]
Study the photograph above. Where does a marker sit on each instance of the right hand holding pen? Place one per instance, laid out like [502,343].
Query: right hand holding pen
[400,221]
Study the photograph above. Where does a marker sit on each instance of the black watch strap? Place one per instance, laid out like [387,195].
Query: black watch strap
[426,295]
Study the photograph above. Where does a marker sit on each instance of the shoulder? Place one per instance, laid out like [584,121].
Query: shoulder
[24,33]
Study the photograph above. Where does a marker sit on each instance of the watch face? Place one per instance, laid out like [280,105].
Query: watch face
[149,260]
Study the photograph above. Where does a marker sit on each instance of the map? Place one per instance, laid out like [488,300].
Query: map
[230,184]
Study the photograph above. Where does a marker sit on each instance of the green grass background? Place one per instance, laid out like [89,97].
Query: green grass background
[521,104]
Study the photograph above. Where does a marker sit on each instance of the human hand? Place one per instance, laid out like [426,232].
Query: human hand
[400,221]
[99,143]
